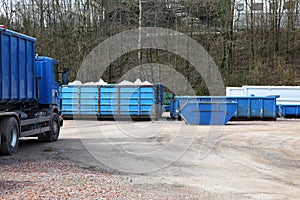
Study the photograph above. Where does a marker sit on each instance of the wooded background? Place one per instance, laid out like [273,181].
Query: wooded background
[68,30]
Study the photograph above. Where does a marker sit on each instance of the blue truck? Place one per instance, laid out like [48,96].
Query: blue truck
[29,93]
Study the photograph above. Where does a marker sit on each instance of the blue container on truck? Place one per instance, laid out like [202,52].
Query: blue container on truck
[29,92]
[112,101]
[248,108]
[18,81]
[207,113]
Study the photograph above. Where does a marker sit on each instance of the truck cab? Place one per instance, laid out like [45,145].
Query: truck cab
[48,80]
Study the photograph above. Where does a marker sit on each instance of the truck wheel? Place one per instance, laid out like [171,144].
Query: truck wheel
[52,135]
[9,136]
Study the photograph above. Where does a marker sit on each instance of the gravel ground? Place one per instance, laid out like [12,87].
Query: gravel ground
[57,180]
[247,160]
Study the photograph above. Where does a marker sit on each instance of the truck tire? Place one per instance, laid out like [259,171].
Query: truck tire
[52,135]
[9,136]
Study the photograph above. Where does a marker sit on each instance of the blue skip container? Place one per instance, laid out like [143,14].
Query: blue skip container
[112,101]
[207,113]
[289,111]
[247,108]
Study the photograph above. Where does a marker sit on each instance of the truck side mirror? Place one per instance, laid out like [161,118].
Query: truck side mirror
[65,76]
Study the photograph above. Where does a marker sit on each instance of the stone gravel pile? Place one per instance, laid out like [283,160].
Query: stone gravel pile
[55,180]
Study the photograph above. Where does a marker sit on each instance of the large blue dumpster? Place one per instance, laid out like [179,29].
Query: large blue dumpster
[248,108]
[289,111]
[112,101]
[258,108]
[17,68]
[207,113]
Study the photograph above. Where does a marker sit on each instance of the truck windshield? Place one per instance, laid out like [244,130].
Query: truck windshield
[56,74]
